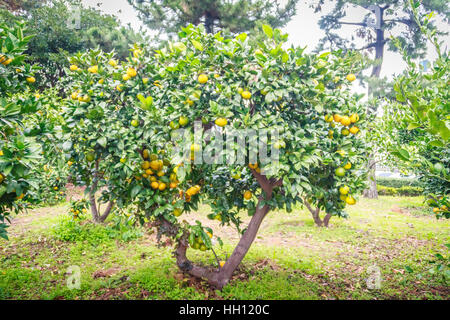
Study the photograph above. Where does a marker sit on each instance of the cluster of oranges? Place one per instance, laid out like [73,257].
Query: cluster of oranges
[443,208]
[6,61]
[154,169]
[345,196]
[192,191]
[199,243]
[76,212]
[348,123]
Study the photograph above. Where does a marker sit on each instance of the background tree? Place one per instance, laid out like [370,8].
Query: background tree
[382,17]
[416,126]
[18,152]
[168,16]
[56,37]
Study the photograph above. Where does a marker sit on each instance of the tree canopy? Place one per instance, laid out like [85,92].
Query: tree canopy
[235,16]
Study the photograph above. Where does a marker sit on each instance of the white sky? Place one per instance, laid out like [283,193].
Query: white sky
[303,29]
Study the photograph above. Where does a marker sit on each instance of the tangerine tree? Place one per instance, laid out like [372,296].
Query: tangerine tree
[415,127]
[207,119]
[341,175]
[18,152]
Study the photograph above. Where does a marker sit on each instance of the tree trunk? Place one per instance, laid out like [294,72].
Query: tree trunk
[209,22]
[316,215]
[96,216]
[220,278]
[372,192]
[326,220]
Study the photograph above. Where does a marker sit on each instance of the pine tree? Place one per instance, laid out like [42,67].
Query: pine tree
[382,18]
[236,16]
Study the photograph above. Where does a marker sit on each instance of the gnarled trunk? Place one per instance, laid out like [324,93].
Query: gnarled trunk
[219,278]
[96,215]
[316,215]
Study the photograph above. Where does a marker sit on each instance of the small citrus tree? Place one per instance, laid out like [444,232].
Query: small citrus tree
[415,127]
[154,132]
[342,174]
[18,152]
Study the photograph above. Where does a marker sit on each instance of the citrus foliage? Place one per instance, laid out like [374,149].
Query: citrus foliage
[418,122]
[18,151]
[123,119]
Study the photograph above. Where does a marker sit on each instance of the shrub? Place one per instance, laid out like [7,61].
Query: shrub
[79,230]
[402,191]
[398,182]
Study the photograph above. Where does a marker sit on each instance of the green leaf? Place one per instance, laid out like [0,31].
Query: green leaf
[136,189]
[242,37]
[102,141]
[197,45]
[436,143]
[413,125]
[268,30]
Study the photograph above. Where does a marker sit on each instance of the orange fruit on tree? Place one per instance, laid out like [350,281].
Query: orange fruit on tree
[340,172]
[351,77]
[172,185]
[131,72]
[221,122]
[345,132]
[203,78]
[345,121]
[160,173]
[350,200]
[354,130]
[246,94]
[145,165]
[183,121]
[344,190]
[348,166]
[247,195]
[93,69]
[162,186]
[253,165]
[154,185]
[337,118]
[354,118]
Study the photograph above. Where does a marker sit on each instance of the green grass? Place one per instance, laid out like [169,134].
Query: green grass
[290,259]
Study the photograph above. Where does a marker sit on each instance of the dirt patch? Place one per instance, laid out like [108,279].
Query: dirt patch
[74,193]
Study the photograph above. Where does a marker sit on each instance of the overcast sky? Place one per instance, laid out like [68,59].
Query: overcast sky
[303,29]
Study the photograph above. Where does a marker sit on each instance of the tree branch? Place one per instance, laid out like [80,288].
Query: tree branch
[362,24]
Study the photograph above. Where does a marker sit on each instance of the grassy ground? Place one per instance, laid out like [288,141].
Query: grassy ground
[290,259]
